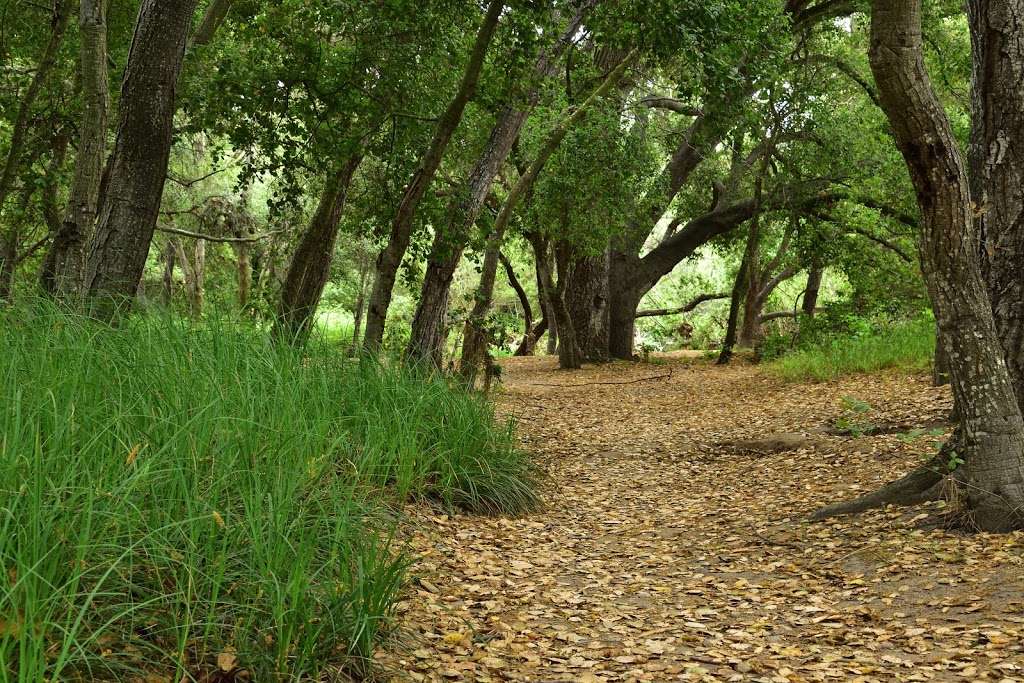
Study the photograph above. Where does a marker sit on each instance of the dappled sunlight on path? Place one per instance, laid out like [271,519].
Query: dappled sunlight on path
[663,552]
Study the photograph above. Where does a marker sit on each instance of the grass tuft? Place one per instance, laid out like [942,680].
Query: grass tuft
[908,346]
[181,499]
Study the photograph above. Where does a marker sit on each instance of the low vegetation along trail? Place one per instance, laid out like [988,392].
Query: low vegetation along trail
[667,549]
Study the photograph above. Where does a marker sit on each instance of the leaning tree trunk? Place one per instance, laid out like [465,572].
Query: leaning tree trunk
[390,258]
[429,323]
[138,166]
[812,290]
[997,165]
[310,266]
[476,337]
[990,437]
[62,269]
[735,301]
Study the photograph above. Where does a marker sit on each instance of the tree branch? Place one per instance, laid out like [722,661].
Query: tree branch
[212,238]
[670,103]
[697,301]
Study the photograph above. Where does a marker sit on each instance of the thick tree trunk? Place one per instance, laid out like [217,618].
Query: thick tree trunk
[736,300]
[390,258]
[16,145]
[997,165]
[64,265]
[310,267]
[138,166]
[429,322]
[990,438]
[587,296]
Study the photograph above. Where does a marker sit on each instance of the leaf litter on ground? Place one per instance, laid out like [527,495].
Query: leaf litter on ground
[662,553]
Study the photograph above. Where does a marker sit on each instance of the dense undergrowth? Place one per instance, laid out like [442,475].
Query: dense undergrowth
[188,499]
[841,344]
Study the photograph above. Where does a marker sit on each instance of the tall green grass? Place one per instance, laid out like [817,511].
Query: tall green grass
[908,345]
[180,499]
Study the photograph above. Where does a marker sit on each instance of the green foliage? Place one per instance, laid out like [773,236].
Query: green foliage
[854,419]
[909,345]
[172,493]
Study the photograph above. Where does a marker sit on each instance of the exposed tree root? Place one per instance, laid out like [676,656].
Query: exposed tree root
[926,483]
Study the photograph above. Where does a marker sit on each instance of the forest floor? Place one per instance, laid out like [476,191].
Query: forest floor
[665,552]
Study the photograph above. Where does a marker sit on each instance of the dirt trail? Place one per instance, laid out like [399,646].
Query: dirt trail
[662,554]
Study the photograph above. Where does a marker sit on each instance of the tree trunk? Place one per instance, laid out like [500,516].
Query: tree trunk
[390,258]
[542,270]
[62,269]
[476,337]
[429,322]
[529,337]
[360,308]
[569,355]
[310,267]
[997,166]
[168,277]
[734,313]
[138,166]
[587,297]
[194,270]
[990,438]
[8,262]
[58,28]
[814,278]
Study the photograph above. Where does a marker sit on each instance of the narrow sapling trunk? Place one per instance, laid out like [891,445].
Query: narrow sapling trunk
[735,302]
[990,436]
[137,168]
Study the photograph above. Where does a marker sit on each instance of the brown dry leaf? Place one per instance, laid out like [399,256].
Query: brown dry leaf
[133,454]
[227,661]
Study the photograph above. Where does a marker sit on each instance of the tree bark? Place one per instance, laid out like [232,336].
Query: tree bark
[214,16]
[360,309]
[587,298]
[990,438]
[997,166]
[58,28]
[310,267]
[569,355]
[138,166]
[526,346]
[542,270]
[64,265]
[811,291]
[168,276]
[735,302]
[390,258]
[476,337]
[428,324]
